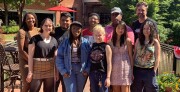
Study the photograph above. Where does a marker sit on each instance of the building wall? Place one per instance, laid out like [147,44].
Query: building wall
[82,8]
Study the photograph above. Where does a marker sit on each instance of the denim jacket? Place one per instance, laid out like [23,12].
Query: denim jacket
[63,59]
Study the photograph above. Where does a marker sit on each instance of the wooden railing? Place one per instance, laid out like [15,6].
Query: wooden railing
[167,59]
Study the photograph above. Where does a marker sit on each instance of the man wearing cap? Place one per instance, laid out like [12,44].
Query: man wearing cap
[93,21]
[61,33]
[141,12]
[116,17]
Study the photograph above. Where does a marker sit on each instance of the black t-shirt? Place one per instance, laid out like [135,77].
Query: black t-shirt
[136,25]
[58,32]
[98,57]
[42,49]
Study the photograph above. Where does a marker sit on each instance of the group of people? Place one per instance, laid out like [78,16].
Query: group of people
[116,58]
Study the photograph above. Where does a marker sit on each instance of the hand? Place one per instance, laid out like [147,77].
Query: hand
[107,82]
[29,77]
[56,77]
[132,77]
[66,75]
[85,74]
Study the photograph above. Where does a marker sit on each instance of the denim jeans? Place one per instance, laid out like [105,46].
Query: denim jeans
[97,77]
[144,80]
[76,81]
[58,83]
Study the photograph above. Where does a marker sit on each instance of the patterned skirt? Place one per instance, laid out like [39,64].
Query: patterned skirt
[43,69]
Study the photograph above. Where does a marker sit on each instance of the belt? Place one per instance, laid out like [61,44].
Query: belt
[75,62]
[43,59]
[143,68]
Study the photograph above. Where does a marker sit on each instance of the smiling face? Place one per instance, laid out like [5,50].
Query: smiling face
[116,18]
[65,22]
[146,30]
[141,11]
[120,30]
[30,20]
[76,31]
[47,27]
[93,20]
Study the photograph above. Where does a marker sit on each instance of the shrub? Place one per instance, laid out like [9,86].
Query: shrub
[10,29]
[168,80]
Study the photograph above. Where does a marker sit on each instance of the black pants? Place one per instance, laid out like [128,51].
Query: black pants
[62,83]
[48,85]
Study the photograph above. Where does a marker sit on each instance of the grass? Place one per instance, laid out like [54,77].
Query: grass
[9,37]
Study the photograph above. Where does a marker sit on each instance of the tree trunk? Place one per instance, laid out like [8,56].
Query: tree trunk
[20,10]
[6,12]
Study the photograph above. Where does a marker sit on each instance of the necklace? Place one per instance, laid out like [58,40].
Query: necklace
[46,39]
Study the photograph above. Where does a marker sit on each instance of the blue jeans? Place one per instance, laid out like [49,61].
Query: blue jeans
[76,81]
[97,77]
[144,80]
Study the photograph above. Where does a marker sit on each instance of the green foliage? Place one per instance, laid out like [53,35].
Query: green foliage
[12,23]
[163,33]
[10,29]
[168,80]
[173,37]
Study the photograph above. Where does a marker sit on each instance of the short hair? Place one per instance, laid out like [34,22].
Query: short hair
[42,23]
[142,3]
[99,28]
[94,14]
[66,14]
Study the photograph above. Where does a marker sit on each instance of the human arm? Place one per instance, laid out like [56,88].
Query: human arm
[60,61]
[109,65]
[31,49]
[20,42]
[157,54]
[129,46]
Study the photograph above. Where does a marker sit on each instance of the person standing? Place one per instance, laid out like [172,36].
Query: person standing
[94,19]
[72,59]
[116,17]
[141,12]
[60,34]
[146,60]
[100,58]
[27,30]
[41,50]
[122,60]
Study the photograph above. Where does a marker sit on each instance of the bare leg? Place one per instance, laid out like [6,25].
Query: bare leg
[116,88]
[125,88]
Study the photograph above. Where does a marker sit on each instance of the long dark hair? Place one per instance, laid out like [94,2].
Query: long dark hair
[123,36]
[71,38]
[151,36]
[24,25]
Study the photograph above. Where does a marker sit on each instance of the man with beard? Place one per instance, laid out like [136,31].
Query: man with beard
[116,17]
[62,30]
[141,12]
[93,21]
[60,34]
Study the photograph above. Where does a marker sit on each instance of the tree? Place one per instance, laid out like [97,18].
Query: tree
[6,4]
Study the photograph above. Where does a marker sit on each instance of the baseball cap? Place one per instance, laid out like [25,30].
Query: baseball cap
[77,23]
[116,10]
